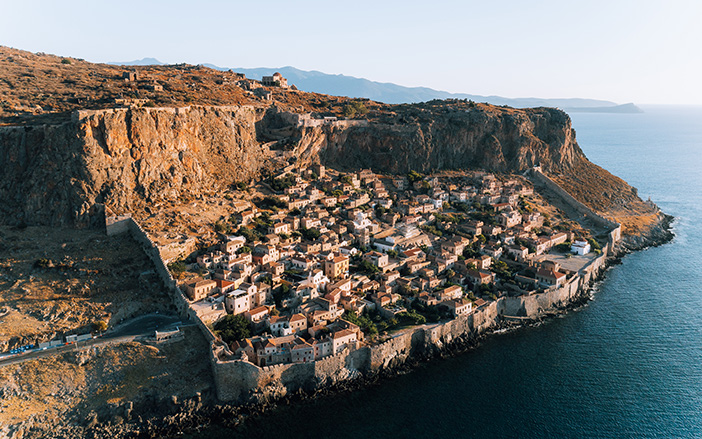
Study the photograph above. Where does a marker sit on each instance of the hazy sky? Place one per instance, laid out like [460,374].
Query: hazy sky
[624,51]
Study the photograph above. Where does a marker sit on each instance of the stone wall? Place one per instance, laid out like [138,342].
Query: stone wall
[241,382]
[597,219]
[115,225]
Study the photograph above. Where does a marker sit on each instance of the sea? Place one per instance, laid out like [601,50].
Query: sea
[626,365]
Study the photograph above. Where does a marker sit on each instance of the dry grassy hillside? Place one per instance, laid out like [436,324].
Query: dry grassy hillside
[46,88]
[54,281]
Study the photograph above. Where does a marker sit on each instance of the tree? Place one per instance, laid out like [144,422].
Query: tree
[280,294]
[250,234]
[100,326]
[413,176]
[220,227]
[177,268]
[368,267]
[280,184]
[594,244]
[363,321]
[232,328]
[270,202]
[311,234]
[564,247]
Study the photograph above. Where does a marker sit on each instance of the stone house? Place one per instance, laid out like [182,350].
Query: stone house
[336,267]
[199,288]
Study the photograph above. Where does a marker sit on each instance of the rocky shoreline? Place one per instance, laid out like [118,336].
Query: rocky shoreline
[656,236]
[175,417]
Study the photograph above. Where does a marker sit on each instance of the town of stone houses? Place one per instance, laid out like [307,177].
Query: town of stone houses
[321,261]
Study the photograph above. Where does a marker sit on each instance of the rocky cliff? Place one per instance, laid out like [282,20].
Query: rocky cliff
[463,135]
[129,159]
[126,159]
[452,136]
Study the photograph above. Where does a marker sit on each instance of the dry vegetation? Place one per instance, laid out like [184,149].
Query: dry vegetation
[608,195]
[65,389]
[45,88]
[61,280]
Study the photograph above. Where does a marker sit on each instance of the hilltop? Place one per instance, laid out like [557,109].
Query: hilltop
[43,88]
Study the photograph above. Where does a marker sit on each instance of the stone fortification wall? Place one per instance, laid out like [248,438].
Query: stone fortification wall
[240,381]
[115,225]
[597,219]
[243,382]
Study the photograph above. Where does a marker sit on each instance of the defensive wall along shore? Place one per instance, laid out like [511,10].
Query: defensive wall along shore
[243,382]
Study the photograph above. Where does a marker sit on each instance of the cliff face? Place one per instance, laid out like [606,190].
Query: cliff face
[500,140]
[128,159]
[125,159]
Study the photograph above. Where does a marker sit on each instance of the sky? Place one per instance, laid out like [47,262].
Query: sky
[646,52]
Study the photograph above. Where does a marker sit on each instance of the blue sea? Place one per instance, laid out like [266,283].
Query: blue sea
[626,365]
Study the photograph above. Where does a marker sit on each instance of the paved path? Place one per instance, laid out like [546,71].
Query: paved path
[128,331]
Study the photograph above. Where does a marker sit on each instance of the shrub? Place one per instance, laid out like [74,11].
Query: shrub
[413,176]
[43,263]
[354,108]
[177,268]
[99,326]
[368,267]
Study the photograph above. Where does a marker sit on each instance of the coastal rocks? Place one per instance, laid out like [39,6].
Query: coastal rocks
[272,392]
[655,236]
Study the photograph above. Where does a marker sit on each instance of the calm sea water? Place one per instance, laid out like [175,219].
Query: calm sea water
[627,365]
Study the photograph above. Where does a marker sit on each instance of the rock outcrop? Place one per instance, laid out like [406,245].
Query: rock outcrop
[484,137]
[126,158]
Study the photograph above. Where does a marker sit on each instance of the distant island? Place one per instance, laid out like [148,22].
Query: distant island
[624,108]
[343,85]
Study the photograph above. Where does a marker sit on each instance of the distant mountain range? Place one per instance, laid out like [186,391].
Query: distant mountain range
[342,85]
[139,62]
